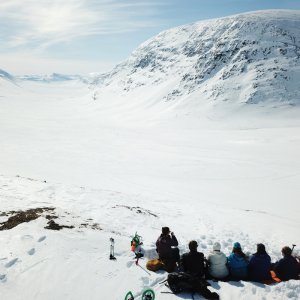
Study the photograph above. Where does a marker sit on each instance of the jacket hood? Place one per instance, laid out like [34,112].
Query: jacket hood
[216,252]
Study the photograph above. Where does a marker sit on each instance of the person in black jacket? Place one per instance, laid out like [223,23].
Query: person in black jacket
[193,262]
[287,267]
[259,265]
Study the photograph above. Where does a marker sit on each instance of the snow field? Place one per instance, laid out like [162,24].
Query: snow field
[36,263]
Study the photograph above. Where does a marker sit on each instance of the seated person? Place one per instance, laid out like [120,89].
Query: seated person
[238,262]
[260,265]
[193,262]
[217,262]
[164,246]
[287,267]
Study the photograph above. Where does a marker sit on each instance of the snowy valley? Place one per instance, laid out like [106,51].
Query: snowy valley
[197,130]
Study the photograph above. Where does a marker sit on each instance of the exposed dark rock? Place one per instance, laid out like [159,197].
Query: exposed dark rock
[20,217]
[54,226]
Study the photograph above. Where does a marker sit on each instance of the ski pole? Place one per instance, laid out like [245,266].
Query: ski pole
[293,247]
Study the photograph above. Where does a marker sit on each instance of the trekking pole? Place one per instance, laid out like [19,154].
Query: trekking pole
[293,247]
[138,256]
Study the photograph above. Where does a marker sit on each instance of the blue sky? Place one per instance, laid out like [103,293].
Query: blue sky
[82,36]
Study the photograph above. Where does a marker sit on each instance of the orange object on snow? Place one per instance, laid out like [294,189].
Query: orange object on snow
[133,246]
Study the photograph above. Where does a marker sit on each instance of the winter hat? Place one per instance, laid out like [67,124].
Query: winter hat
[165,230]
[237,245]
[217,246]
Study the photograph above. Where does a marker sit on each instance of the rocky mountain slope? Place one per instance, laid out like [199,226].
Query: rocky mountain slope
[244,59]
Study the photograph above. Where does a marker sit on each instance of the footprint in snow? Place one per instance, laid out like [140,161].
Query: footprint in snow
[129,264]
[41,239]
[11,263]
[145,280]
[3,278]
[31,252]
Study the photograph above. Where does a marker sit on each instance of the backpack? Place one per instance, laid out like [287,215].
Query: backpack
[154,264]
[182,282]
[186,282]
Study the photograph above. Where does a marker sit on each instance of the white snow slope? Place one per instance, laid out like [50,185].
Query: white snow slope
[122,158]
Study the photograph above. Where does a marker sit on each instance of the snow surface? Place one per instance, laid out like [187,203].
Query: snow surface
[117,155]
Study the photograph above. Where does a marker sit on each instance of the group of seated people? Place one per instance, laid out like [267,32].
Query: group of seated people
[237,266]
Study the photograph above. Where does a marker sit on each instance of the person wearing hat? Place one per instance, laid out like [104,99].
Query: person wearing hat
[217,262]
[287,267]
[164,245]
[259,265]
[237,262]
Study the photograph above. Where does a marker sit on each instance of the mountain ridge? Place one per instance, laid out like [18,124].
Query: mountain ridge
[249,58]
[48,78]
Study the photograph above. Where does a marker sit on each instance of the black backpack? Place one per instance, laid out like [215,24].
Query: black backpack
[181,282]
[187,282]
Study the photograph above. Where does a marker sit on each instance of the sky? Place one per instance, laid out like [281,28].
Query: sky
[83,36]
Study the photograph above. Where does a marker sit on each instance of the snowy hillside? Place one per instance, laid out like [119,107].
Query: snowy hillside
[153,143]
[37,263]
[252,58]
[48,78]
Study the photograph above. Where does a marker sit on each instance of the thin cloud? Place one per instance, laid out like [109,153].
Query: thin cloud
[37,25]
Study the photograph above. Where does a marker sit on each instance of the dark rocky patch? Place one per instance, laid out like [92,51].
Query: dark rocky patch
[20,217]
[49,217]
[54,226]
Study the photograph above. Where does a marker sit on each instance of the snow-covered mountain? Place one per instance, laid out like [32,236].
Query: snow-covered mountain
[48,78]
[244,59]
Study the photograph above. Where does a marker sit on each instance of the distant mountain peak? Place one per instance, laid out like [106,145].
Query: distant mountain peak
[6,75]
[48,78]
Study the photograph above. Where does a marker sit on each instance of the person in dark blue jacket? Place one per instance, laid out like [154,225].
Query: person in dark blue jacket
[260,265]
[287,267]
[237,262]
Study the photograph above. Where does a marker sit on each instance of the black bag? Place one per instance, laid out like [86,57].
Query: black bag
[186,282]
[179,282]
